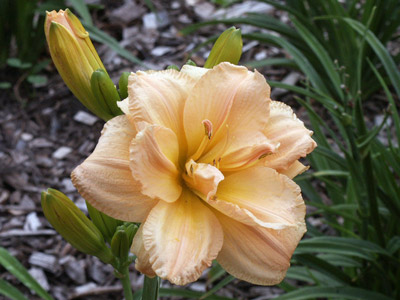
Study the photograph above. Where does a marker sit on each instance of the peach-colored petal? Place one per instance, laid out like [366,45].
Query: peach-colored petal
[202,178]
[211,99]
[154,157]
[295,169]
[159,98]
[194,72]
[295,140]
[256,254]
[238,139]
[105,179]
[246,155]
[260,195]
[182,238]
[142,263]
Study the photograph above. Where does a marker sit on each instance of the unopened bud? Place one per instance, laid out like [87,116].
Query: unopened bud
[73,225]
[74,56]
[227,48]
[106,224]
[122,241]
[105,92]
[123,85]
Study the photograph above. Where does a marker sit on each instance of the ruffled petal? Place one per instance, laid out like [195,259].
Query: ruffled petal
[158,97]
[154,155]
[202,178]
[182,238]
[260,195]
[211,99]
[295,169]
[105,179]
[256,254]
[194,72]
[142,263]
[237,106]
[295,140]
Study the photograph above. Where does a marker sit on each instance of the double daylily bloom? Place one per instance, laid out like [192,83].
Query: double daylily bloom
[204,160]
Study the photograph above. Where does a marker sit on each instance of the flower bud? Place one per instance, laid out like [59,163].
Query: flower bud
[73,225]
[75,57]
[123,85]
[105,92]
[122,241]
[106,224]
[227,48]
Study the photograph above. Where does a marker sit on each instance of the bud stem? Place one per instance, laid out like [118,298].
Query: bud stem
[126,284]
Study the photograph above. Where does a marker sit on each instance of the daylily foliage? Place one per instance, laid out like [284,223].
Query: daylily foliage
[204,160]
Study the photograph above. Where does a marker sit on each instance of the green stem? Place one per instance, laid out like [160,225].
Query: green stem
[151,288]
[126,284]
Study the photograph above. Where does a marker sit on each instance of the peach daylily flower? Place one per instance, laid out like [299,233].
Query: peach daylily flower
[204,160]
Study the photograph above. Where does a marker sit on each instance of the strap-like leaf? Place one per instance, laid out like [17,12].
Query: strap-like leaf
[12,265]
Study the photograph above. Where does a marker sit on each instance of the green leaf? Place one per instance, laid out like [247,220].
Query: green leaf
[306,67]
[215,273]
[381,52]
[340,260]
[10,291]
[323,267]
[394,245]
[17,63]
[322,55]
[342,292]
[37,80]
[12,265]
[341,245]
[4,85]
[218,286]
[284,62]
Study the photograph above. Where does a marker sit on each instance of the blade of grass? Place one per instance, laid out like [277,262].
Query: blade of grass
[102,37]
[218,286]
[380,51]
[10,291]
[322,55]
[12,265]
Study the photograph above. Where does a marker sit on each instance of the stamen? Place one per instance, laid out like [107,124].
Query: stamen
[208,128]
[208,133]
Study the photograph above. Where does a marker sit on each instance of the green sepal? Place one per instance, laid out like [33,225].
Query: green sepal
[106,224]
[227,48]
[123,85]
[73,225]
[105,92]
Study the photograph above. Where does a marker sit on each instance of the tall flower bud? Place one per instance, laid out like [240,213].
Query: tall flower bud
[73,225]
[75,57]
[227,48]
